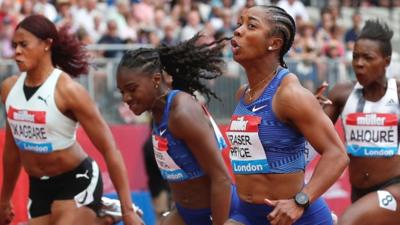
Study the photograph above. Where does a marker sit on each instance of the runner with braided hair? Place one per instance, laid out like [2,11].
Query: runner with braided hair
[186,140]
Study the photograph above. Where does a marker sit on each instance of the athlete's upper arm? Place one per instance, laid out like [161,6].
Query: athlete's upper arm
[299,108]
[188,122]
[74,98]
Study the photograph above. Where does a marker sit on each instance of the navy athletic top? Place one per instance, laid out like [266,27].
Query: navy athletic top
[260,142]
[174,159]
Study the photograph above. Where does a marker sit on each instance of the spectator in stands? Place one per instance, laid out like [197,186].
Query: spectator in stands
[187,154]
[111,37]
[44,106]
[295,8]
[193,25]
[369,108]
[269,128]
[353,32]
[45,8]
[170,34]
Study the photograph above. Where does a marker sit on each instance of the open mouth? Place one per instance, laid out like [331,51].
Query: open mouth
[235,46]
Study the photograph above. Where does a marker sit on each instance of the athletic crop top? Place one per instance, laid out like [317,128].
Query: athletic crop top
[174,159]
[260,143]
[36,124]
[371,128]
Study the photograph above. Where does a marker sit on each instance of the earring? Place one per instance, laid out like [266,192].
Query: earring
[46,49]
[270,48]
[156,86]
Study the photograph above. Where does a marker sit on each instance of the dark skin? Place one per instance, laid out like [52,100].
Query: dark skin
[146,92]
[292,104]
[369,65]
[33,55]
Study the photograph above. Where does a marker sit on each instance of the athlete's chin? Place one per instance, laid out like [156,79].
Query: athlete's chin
[137,110]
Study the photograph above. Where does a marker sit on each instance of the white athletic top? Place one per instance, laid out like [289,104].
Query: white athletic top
[37,124]
[371,128]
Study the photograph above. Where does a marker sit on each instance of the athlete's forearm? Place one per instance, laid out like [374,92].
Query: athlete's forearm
[220,200]
[119,177]
[328,170]
[11,170]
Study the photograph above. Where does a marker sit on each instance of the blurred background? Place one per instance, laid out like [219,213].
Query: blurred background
[325,36]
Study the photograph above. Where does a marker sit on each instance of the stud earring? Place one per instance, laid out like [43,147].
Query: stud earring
[270,48]
[156,86]
[46,49]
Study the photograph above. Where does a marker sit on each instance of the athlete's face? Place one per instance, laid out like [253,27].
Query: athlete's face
[138,89]
[29,50]
[369,63]
[250,38]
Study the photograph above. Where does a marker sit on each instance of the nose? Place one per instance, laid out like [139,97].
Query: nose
[358,62]
[238,31]
[17,50]
[126,97]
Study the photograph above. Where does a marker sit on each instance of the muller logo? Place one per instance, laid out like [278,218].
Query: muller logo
[239,124]
[371,119]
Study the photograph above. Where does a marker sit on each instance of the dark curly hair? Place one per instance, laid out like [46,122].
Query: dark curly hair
[378,31]
[188,63]
[282,24]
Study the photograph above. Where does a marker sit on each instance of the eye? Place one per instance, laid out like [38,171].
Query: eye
[251,26]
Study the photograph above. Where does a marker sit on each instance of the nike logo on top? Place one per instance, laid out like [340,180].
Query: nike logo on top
[162,132]
[255,109]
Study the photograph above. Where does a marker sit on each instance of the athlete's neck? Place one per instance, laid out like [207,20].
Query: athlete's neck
[37,76]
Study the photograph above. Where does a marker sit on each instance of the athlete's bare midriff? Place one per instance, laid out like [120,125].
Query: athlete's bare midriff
[366,172]
[192,194]
[52,164]
[254,188]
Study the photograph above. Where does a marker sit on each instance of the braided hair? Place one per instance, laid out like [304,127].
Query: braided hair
[378,31]
[282,24]
[187,63]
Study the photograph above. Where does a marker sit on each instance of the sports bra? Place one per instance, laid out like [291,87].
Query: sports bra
[174,158]
[37,124]
[260,142]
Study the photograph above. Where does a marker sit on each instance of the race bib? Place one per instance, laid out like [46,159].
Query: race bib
[371,134]
[246,151]
[29,130]
[168,168]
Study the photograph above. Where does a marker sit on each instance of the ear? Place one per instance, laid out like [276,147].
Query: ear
[275,43]
[48,42]
[387,60]
[156,79]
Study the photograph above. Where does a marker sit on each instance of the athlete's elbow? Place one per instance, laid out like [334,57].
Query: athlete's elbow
[342,160]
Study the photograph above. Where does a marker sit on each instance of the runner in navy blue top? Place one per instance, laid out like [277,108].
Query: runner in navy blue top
[186,140]
[270,126]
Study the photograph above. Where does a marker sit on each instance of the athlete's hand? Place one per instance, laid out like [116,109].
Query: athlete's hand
[6,213]
[132,218]
[285,212]
[319,94]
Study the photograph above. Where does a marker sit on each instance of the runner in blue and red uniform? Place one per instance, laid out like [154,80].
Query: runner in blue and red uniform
[186,140]
[269,128]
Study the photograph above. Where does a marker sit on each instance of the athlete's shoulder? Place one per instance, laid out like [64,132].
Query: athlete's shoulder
[7,85]
[341,91]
